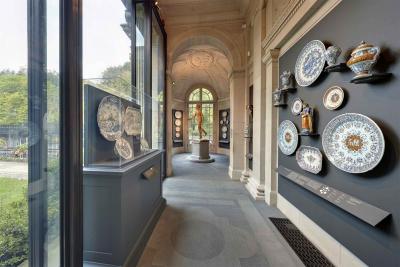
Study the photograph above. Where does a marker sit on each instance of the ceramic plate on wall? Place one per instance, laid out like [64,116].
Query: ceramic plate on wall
[178,122]
[297,106]
[110,118]
[309,159]
[333,97]
[224,129]
[310,63]
[224,136]
[353,143]
[178,114]
[221,122]
[177,129]
[133,121]
[224,113]
[123,148]
[177,135]
[287,137]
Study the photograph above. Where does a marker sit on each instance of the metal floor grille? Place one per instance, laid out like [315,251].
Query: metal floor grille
[306,251]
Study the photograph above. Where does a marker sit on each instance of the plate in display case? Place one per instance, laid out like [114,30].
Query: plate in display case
[310,63]
[333,97]
[178,114]
[297,106]
[309,159]
[110,118]
[144,145]
[123,148]
[178,122]
[133,121]
[287,137]
[353,143]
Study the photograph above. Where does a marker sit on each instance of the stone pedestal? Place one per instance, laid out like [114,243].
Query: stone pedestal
[200,151]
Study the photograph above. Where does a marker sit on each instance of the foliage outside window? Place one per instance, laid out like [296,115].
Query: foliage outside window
[205,98]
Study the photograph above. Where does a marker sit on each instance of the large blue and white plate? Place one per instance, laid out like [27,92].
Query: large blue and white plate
[353,143]
[110,118]
[310,63]
[288,137]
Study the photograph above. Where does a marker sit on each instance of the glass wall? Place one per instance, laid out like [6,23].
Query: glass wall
[29,133]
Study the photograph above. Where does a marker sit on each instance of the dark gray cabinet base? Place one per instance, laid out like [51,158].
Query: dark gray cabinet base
[121,208]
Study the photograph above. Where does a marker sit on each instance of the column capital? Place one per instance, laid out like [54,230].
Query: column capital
[271,56]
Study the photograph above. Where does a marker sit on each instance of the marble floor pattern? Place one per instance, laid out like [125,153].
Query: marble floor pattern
[212,221]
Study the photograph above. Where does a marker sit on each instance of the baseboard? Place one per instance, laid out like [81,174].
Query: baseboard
[135,254]
[256,190]
[338,254]
[235,174]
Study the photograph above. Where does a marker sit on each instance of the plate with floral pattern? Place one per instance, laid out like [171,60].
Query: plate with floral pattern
[133,121]
[353,142]
[310,63]
[287,137]
[297,106]
[110,118]
[123,148]
[309,159]
[333,97]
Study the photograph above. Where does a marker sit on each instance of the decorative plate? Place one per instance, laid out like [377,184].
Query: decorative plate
[310,63]
[309,158]
[177,129]
[123,148]
[110,118]
[353,143]
[224,113]
[178,122]
[221,122]
[333,97]
[177,135]
[297,106]
[133,121]
[224,129]
[144,145]
[287,137]
[178,114]
[224,135]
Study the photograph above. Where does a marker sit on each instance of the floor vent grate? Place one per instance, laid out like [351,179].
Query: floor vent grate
[306,251]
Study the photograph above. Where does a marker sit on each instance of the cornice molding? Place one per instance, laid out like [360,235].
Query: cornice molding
[290,10]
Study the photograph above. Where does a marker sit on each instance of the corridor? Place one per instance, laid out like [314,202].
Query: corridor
[211,220]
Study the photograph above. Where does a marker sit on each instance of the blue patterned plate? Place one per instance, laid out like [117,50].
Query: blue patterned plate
[310,63]
[287,137]
[353,143]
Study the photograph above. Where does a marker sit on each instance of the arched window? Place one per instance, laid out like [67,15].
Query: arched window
[204,97]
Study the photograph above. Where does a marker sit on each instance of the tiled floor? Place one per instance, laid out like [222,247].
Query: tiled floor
[211,220]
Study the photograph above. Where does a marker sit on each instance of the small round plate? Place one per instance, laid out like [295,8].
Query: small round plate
[177,134]
[297,106]
[178,114]
[123,148]
[224,113]
[287,137]
[333,97]
[224,129]
[177,129]
[310,63]
[178,122]
[224,135]
[221,122]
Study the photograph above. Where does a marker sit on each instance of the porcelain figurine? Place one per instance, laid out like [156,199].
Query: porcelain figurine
[307,120]
[279,98]
[331,54]
[286,81]
[363,58]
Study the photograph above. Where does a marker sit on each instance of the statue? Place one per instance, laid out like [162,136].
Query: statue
[307,120]
[198,116]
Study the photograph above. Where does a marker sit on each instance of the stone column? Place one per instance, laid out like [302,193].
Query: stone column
[169,125]
[271,61]
[237,116]
[255,183]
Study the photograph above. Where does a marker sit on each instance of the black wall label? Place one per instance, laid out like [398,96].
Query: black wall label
[362,210]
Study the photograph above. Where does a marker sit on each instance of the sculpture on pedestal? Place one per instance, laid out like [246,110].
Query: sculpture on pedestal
[198,116]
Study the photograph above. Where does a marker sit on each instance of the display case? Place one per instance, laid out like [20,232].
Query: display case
[112,129]
[177,127]
[224,128]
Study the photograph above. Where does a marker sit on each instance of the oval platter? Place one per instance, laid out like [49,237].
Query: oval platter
[133,121]
[309,159]
[297,106]
[110,118]
[333,97]
[310,63]
[287,137]
[353,142]
[123,148]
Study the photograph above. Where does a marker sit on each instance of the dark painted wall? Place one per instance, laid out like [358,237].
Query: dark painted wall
[377,22]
